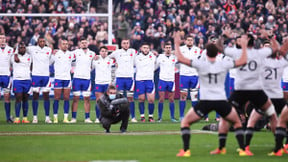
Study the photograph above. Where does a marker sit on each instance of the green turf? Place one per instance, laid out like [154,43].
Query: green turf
[80,146]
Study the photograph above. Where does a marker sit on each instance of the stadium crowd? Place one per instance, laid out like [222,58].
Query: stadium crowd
[245,27]
[150,21]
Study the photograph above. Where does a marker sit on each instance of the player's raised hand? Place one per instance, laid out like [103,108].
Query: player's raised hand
[244,40]
[177,38]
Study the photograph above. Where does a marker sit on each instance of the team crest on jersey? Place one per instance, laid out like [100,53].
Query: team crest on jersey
[131,54]
[69,57]
[90,55]
[108,62]
[9,51]
[173,60]
[28,59]
[47,53]
[150,56]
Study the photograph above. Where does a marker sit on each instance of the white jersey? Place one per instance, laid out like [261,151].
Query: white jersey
[103,67]
[271,76]
[145,66]
[212,76]
[125,62]
[41,60]
[285,75]
[167,67]
[21,70]
[5,56]
[248,76]
[189,53]
[83,63]
[62,64]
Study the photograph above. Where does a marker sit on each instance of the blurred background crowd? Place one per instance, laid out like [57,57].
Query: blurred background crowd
[151,21]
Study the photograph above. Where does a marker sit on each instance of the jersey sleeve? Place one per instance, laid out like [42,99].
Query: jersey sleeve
[228,62]
[195,62]
[231,52]
[113,54]
[265,52]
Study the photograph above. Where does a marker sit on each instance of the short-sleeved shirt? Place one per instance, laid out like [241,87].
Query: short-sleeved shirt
[248,76]
[271,76]
[212,77]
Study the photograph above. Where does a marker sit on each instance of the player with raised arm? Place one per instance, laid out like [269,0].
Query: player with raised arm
[103,66]
[5,56]
[41,57]
[212,73]
[62,83]
[188,76]
[248,86]
[166,62]
[21,82]
[81,81]
[145,66]
[125,72]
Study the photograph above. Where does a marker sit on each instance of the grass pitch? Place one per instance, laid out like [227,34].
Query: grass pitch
[144,142]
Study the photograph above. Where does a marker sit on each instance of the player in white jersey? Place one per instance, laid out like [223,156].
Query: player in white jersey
[5,56]
[248,85]
[125,73]
[188,76]
[41,56]
[145,65]
[21,82]
[62,64]
[212,73]
[103,66]
[81,80]
[166,62]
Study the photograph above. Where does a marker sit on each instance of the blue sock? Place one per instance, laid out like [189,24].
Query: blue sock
[206,116]
[25,108]
[87,115]
[74,115]
[182,105]
[172,110]
[160,110]
[151,108]
[217,115]
[97,111]
[141,107]
[66,106]
[47,107]
[55,106]
[194,103]
[17,109]
[35,107]
[132,109]
[7,110]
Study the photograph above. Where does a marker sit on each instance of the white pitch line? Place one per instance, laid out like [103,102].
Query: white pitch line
[100,133]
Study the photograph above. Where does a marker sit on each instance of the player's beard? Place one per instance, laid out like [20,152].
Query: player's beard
[84,48]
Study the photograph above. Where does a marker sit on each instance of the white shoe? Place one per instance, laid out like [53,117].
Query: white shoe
[48,121]
[73,120]
[133,120]
[35,121]
[88,120]
[97,120]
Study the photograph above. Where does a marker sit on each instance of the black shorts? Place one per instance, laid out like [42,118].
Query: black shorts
[221,107]
[240,97]
[278,103]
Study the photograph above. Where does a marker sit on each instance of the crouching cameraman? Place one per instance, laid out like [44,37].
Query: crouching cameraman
[114,108]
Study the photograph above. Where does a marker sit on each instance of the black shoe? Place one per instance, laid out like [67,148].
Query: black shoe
[9,121]
[123,130]
[107,131]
